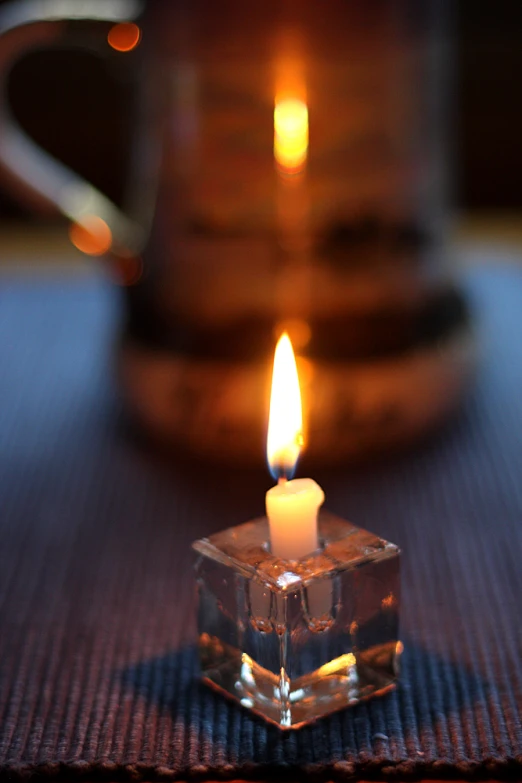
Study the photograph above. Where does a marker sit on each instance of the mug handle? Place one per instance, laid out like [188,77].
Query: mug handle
[32,173]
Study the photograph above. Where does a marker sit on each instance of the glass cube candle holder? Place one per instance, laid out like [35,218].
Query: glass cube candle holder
[296,640]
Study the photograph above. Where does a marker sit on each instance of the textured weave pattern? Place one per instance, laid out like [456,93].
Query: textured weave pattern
[98,673]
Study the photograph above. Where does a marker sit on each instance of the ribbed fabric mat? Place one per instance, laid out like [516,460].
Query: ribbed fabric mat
[98,672]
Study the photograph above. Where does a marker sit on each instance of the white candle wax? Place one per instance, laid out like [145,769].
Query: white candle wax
[291,508]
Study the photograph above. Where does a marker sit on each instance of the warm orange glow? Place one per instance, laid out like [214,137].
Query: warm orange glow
[389,601]
[285,422]
[290,135]
[125,270]
[92,236]
[298,330]
[124,37]
[305,369]
[346,661]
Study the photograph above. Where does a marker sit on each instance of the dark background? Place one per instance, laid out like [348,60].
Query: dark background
[80,110]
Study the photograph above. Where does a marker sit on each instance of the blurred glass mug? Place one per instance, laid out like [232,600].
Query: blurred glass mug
[288,173]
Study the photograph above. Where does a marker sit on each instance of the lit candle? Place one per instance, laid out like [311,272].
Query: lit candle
[291,506]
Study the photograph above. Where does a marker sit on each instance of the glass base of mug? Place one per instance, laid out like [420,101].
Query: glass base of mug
[218,409]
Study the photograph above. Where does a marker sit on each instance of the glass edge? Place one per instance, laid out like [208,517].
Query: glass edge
[204,547]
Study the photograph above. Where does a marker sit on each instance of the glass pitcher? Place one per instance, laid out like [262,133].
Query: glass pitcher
[289,173]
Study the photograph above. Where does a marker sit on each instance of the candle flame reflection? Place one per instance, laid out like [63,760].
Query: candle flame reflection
[285,421]
[290,135]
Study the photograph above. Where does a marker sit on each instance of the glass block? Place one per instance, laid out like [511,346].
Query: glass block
[296,640]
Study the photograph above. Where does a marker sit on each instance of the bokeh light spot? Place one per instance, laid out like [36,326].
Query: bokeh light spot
[126,271]
[124,37]
[92,236]
[290,135]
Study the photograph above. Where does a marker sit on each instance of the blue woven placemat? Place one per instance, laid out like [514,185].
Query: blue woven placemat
[98,674]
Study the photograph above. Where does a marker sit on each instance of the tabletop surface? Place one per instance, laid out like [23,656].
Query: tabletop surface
[98,672]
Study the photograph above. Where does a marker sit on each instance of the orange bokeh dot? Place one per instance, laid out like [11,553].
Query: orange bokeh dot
[126,271]
[92,236]
[124,37]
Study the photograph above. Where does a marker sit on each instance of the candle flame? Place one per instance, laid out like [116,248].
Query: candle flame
[285,421]
[290,135]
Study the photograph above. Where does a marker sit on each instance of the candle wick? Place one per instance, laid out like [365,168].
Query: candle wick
[282,480]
